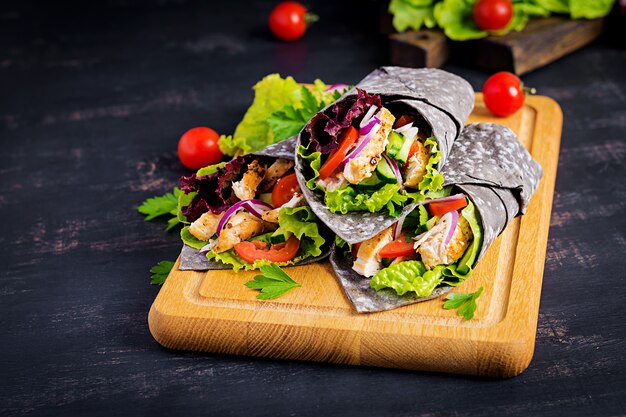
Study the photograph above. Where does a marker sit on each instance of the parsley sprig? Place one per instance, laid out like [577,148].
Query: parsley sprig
[273,282]
[466,303]
[160,272]
[158,206]
[289,120]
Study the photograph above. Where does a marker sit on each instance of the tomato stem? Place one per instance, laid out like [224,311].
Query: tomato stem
[310,18]
[528,90]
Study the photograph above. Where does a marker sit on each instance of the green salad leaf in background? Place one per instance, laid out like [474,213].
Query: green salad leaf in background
[455,17]
[281,107]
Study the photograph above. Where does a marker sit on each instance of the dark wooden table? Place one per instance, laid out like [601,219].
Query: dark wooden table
[92,102]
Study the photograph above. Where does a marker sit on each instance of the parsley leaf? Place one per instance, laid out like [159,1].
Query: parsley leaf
[160,272]
[289,120]
[158,206]
[466,303]
[273,282]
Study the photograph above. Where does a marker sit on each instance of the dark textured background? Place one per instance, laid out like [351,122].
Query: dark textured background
[92,102]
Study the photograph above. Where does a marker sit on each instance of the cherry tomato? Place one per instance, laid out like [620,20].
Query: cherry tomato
[396,248]
[503,93]
[493,14]
[346,140]
[289,20]
[284,190]
[280,252]
[441,208]
[198,148]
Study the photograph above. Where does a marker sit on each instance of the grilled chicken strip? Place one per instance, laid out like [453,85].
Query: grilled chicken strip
[274,172]
[365,162]
[416,166]
[240,227]
[368,263]
[271,216]
[245,189]
[434,251]
[205,226]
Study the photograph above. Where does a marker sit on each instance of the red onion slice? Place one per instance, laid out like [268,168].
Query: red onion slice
[397,227]
[362,144]
[334,87]
[253,206]
[454,197]
[364,130]
[454,222]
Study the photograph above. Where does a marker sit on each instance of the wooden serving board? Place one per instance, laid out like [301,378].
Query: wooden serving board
[541,42]
[214,312]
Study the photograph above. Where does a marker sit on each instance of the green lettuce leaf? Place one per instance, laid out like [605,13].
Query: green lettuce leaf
[408,276]
[299,220]
[190,240]
[456,20]
[274,94]
[412,14]
[348,199]
[433,179]
[589,9]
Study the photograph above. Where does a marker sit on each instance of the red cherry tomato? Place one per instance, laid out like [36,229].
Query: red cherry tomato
[493,14]
[346,140]
[280,252]
[284,190]
[441,208]
[289,20]
[503,93]
[396,248]
[198,148]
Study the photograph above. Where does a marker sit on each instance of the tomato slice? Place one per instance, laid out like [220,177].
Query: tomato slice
[403,120]
[279,252]
[346,140]
[441,208]
[284,190]
[396,248]
[413,150]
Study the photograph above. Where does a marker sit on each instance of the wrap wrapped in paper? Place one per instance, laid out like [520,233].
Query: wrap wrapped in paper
[443,100]
[495,171]
[193,259]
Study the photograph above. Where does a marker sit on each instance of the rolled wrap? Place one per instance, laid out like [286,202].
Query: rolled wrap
[192,259]
[499,176]
[444,100]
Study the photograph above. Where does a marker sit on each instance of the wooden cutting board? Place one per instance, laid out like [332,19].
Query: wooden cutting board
[214,312]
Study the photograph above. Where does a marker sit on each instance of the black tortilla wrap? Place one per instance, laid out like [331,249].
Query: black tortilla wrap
[192,259]
[442,99]
[499,176]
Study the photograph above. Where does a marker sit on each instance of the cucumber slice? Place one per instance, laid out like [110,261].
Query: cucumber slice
[385,172]
[395,143]
[403,155]
[280,236]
